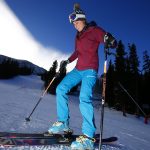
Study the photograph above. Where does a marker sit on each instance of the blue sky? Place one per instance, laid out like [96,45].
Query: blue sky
[48,22]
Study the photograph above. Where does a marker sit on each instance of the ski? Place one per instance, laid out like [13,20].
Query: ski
[19,139]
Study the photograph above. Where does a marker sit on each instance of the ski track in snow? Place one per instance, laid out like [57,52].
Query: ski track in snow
[104,147]
[19,95]
[55,148]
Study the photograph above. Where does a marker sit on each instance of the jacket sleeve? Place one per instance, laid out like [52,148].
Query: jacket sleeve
[73,56]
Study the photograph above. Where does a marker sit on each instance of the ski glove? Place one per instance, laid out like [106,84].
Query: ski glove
[63,65]
[110,41]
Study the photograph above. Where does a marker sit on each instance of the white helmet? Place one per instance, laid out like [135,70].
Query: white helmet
[78,14]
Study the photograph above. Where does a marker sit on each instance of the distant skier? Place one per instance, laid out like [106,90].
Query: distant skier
[88,38]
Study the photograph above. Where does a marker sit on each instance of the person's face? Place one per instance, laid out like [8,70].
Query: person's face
[79,25]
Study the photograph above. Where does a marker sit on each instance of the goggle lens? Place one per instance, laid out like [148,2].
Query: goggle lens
[72,17]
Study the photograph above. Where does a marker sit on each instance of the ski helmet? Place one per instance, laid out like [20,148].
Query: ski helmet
[78,14]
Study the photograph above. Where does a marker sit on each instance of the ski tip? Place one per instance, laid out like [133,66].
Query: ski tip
[110,139]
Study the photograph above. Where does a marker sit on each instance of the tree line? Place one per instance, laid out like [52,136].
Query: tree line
[10,68]
[124,72]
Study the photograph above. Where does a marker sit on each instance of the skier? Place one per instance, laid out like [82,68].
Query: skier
[88,38]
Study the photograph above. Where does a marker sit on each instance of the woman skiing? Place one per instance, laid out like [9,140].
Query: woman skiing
[88,38]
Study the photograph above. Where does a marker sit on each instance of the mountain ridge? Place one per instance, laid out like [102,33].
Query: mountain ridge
[24,63]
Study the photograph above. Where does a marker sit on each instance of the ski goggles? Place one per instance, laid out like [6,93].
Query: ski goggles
[74,17]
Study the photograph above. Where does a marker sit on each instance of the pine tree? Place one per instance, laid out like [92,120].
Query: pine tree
[120,69]
[133,59]
[49,75]
[110,97]
[146,80]
[120,61]
[146,62]
[134,70]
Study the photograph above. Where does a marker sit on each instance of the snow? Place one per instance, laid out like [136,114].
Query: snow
[19,95]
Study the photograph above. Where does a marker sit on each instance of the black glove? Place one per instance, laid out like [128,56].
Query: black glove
[63,64]
[110,41]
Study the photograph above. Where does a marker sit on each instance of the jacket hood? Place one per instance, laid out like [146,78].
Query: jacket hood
[91,24]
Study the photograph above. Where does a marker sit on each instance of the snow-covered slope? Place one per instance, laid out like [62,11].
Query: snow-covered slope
[19,95]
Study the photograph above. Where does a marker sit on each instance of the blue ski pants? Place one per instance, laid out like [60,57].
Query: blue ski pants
[87,79]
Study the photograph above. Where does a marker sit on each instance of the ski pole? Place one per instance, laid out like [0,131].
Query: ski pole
[103,98]
[132,98]
[28,118]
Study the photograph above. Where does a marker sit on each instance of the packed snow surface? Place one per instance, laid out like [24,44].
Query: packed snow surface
[19,95]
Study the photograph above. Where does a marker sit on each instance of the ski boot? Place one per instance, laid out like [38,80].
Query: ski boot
[60,128]
[83,142]
[61,131]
